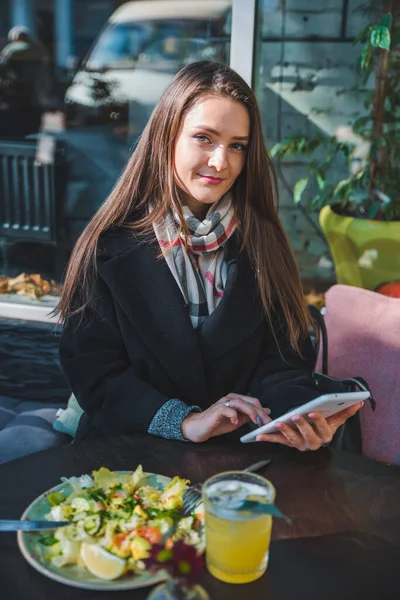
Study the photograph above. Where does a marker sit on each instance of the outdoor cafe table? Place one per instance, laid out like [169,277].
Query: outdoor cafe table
[343,543]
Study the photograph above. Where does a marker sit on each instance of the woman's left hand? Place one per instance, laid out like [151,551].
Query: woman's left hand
[309,436]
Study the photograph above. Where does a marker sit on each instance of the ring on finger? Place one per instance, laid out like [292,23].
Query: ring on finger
[227,403]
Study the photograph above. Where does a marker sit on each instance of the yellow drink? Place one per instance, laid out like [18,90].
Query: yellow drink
[237,542]
[237,551]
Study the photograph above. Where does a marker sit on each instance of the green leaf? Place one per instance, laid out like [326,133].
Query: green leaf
[296,145]
[380,37]
[97,494]
[323,198]
[285,146]
[48,540]
[341,186]
[366,56]
[299,189]
[386,39]
[255,506]
[55,498]
[386,20]
[360,123]
[301,145]
[321,181]
[373,209]
[314,143]
[276,148]
[362,34]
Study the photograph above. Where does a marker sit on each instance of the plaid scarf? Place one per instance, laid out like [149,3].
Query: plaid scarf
[200,273]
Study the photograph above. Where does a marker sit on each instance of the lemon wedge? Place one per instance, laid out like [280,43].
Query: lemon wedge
[101,563]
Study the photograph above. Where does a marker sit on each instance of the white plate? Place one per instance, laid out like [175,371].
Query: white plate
[74,575]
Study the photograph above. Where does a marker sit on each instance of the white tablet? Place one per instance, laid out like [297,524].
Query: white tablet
[327,405]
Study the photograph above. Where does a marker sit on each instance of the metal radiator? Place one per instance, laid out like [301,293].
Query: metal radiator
[29,193]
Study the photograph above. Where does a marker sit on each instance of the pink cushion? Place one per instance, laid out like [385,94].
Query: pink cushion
[364,340]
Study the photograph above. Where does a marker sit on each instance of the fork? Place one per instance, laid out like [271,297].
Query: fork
[192,495]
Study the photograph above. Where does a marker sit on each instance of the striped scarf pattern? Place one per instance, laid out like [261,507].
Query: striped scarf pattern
[200,273]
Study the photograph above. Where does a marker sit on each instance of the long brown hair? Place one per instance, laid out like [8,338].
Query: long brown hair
[149,177]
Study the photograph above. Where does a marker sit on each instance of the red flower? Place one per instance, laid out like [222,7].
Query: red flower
[181,561]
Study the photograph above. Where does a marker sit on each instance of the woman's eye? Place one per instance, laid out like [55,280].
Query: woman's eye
[240,147]
[202,138]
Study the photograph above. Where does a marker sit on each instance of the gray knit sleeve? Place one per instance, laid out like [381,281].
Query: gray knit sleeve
[167,420]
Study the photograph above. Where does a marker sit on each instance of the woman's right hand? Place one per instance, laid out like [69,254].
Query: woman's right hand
[221,418]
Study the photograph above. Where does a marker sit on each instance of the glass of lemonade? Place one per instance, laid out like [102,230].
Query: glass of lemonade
[237,541]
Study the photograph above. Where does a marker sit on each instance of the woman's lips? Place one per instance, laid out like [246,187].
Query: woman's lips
[210,179]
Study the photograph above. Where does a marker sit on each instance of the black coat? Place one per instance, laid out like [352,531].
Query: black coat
[136,348]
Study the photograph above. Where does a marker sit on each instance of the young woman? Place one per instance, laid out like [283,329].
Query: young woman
[183,307]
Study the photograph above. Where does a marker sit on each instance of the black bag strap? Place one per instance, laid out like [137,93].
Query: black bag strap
[321,338]
[358,381]
[363,385]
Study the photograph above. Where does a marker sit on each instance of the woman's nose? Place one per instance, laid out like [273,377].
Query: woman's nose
[218,158]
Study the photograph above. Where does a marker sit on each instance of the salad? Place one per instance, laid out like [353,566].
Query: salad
[115,520]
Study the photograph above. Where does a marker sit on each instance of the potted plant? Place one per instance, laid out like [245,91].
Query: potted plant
[360,215]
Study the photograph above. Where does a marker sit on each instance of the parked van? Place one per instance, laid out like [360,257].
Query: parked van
[142,46]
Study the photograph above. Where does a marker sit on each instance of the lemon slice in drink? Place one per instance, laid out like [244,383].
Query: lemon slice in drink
[101,563]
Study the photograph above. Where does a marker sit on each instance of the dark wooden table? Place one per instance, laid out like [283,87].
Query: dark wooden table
[344,541]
